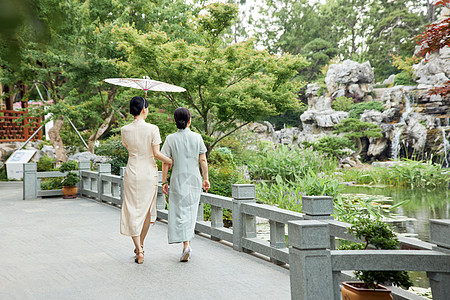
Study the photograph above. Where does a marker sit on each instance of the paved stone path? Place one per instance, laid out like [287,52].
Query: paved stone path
[71,249]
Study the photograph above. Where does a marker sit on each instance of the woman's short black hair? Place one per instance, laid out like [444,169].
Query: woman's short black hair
[182,116]
[137,104]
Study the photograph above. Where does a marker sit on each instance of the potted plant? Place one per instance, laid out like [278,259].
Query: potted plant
[70,180]
[378,235]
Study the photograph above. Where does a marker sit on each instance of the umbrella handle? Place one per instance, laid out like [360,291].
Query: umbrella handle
[145,95]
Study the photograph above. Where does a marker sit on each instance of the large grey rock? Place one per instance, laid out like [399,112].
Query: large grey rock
[286,136]
[372,116]
[416,131]
[434,70]
[88,156]
[49,151]
[394,96]
[391,114]
[319,103]
[377,146]
[348,72]
[323,118]
[389,80]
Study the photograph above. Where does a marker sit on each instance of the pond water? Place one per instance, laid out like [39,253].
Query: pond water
[413,217]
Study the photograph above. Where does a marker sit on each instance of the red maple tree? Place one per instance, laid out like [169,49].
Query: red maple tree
[435,37]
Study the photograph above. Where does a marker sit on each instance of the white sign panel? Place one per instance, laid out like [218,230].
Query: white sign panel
[14,164]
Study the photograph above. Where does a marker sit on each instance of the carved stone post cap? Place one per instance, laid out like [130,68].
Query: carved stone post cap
[122,171]
[243,191]
[309,235]
[84,165]
[317,205]
[29,167]
[104,168]
[440,232]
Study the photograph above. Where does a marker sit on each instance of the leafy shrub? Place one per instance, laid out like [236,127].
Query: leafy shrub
[45,164]
[68,166]
[380,236]
[70,179]
[114,149]
[3,176]
[358,108]
[333,145]
[222,171]
[342,104]
[221,178]
[52,183]
[403,78]
[288,162]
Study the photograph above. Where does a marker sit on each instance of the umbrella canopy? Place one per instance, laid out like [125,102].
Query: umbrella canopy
[145,84]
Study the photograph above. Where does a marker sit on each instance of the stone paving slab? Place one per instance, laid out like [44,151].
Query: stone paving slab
[54,248]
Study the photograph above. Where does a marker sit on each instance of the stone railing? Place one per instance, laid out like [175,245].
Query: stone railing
[311,235]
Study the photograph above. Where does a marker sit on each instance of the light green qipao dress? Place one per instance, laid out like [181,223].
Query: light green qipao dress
[184,147]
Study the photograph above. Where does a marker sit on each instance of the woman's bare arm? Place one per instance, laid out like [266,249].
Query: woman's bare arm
[165,170]
[160,156]
[204,167]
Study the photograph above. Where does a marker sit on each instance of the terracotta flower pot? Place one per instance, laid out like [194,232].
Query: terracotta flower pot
[69,190]
[355,290]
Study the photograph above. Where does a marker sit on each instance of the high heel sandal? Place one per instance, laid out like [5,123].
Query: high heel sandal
[186,255]
[142,247]
[139,260]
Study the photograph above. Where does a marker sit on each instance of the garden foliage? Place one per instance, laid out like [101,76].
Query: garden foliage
[333,145]
[342,104]
[358,108]
[378,235]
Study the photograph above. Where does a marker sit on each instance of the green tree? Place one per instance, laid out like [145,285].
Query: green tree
[227,86]
[287,25]
[318,52]
[392,34]
[355,130]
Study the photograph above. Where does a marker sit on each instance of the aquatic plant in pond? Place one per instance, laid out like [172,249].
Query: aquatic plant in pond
[408,173]
[348,207]
[289,162]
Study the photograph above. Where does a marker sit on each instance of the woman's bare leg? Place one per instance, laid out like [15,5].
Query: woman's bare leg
[186,244]
[145,228]
[137,245]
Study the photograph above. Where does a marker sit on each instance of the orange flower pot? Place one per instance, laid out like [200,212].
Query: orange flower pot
[69,190]
[355,290]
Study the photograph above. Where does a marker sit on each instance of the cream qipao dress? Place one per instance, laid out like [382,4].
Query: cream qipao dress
[184,147]
[140,178]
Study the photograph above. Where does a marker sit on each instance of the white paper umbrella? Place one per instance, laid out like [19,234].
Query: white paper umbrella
[145,84]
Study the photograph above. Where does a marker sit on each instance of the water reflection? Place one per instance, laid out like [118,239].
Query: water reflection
[413,216]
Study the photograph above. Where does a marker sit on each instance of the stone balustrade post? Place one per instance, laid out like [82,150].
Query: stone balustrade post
[319,208]
[83,166]
[102,169]
[277,238]
[310,260]
[30,181]
[160,197]
[122,174]
[216,219]
[243,225]
[440,235]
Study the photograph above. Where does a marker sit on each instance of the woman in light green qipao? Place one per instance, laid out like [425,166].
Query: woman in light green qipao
[187,150]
